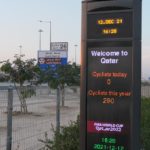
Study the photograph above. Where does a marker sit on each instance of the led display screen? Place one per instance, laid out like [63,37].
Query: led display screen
[109,25]
[109,97]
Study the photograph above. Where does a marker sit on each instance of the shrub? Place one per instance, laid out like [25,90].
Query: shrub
[66,139]
[145,123]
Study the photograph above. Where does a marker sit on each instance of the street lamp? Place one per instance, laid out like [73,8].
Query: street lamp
[40,31]
[20,46]
[49,31]
[75,52]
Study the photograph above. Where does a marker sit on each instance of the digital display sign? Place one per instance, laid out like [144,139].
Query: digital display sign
[59,46]
[109,97]
[110,75]
[109,25]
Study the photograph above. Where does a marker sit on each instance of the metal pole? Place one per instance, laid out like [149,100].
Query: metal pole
[75,52]
[39,40]
[20,46]
[9,118]
[40,30]
[58,110]
[50,36]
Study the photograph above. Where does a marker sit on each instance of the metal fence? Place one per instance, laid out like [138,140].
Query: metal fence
[3,117]
[145,91]
[28,128]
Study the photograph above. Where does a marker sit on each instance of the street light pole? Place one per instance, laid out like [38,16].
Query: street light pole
[40,31]
[20,46]
[50,29]
[75,52]
[50,36]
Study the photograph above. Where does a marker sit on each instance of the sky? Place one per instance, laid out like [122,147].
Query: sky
[19,26]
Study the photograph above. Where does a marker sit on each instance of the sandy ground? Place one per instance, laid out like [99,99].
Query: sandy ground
[28,128]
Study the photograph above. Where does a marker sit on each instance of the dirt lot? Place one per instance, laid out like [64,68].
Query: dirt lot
[28,128]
